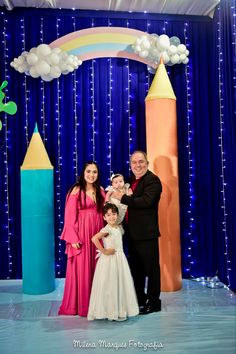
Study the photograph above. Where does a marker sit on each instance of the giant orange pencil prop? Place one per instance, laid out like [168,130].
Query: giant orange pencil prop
[161,133]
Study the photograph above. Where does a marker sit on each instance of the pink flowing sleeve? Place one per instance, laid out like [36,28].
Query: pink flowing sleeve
[70,232]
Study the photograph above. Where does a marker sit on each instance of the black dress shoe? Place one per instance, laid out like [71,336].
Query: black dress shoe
[141,308]
[145,310]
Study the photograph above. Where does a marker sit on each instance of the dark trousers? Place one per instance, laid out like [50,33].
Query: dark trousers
[143,258]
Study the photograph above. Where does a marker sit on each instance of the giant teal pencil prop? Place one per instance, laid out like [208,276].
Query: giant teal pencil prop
[37,219]
[9,107]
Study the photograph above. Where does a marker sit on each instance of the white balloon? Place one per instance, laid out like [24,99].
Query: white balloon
[42,67]
[146,44]
[169,63]
[154,35]
[163,41]
[174,40]
[33,72]
[144,38]
[62,66]
[143,54]
[165,57]
[138,48]
[55,72]
[70,68]
[56,50]
[46,78]
[181,48]
[172,49]
[32,58]
[154,52]
[21,60]
[174,59]
[53,59]
[21,69]
[64,56]
[75,60]
[186,60]
[65,72]
[186,52]
[33,50]
[43,50]
[69,60]
[182,57]
[79,61]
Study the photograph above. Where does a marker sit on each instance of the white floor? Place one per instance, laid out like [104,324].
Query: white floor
[194,320]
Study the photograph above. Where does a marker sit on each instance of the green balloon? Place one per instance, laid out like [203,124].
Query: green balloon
[0,125]
[10,107]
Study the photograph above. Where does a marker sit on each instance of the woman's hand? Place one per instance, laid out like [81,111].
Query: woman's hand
[108,194]
[75,245]
[109,251]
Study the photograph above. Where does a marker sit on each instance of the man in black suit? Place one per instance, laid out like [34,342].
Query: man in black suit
[143,232]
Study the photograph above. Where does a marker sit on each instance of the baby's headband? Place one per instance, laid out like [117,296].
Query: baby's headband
[114,175]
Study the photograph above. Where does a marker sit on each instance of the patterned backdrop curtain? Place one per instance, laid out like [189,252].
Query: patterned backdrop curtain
[98,112]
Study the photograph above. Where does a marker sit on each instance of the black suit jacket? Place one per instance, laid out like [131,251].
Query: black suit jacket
[143,208]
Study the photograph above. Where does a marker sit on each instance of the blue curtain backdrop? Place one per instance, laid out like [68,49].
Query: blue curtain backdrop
[98,113]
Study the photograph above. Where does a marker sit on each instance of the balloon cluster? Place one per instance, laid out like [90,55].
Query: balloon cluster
[47,62]
[153,47]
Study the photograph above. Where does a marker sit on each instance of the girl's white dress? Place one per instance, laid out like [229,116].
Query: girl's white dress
[113,295]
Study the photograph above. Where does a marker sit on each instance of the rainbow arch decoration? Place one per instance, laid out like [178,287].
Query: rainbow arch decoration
[101,42]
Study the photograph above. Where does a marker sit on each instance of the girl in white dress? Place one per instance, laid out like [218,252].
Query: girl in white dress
[113,295]
[118,183]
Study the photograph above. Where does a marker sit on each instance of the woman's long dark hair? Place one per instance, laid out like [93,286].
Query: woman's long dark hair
[81,183]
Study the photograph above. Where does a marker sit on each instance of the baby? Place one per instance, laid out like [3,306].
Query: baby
[118,183]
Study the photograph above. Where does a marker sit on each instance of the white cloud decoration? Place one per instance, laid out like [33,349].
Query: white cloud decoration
[46,62]
[153,47]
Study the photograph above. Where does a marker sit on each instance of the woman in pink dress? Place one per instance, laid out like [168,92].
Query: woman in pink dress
[83,219]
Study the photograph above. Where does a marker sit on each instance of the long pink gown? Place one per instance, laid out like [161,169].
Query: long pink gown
[80,225]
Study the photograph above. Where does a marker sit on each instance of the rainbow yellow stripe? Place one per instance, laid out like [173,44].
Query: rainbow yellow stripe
[100,42]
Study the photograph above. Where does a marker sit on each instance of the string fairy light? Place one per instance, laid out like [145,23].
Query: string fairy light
[164,26]
[58,167]
[191,162]
[109,116]
[109,121]
[42,87]
[76,120]
[130,118]
[92,133]
[224,228]
[7,146]
[27,92]
[148,74]
[130,139]
[233,14]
